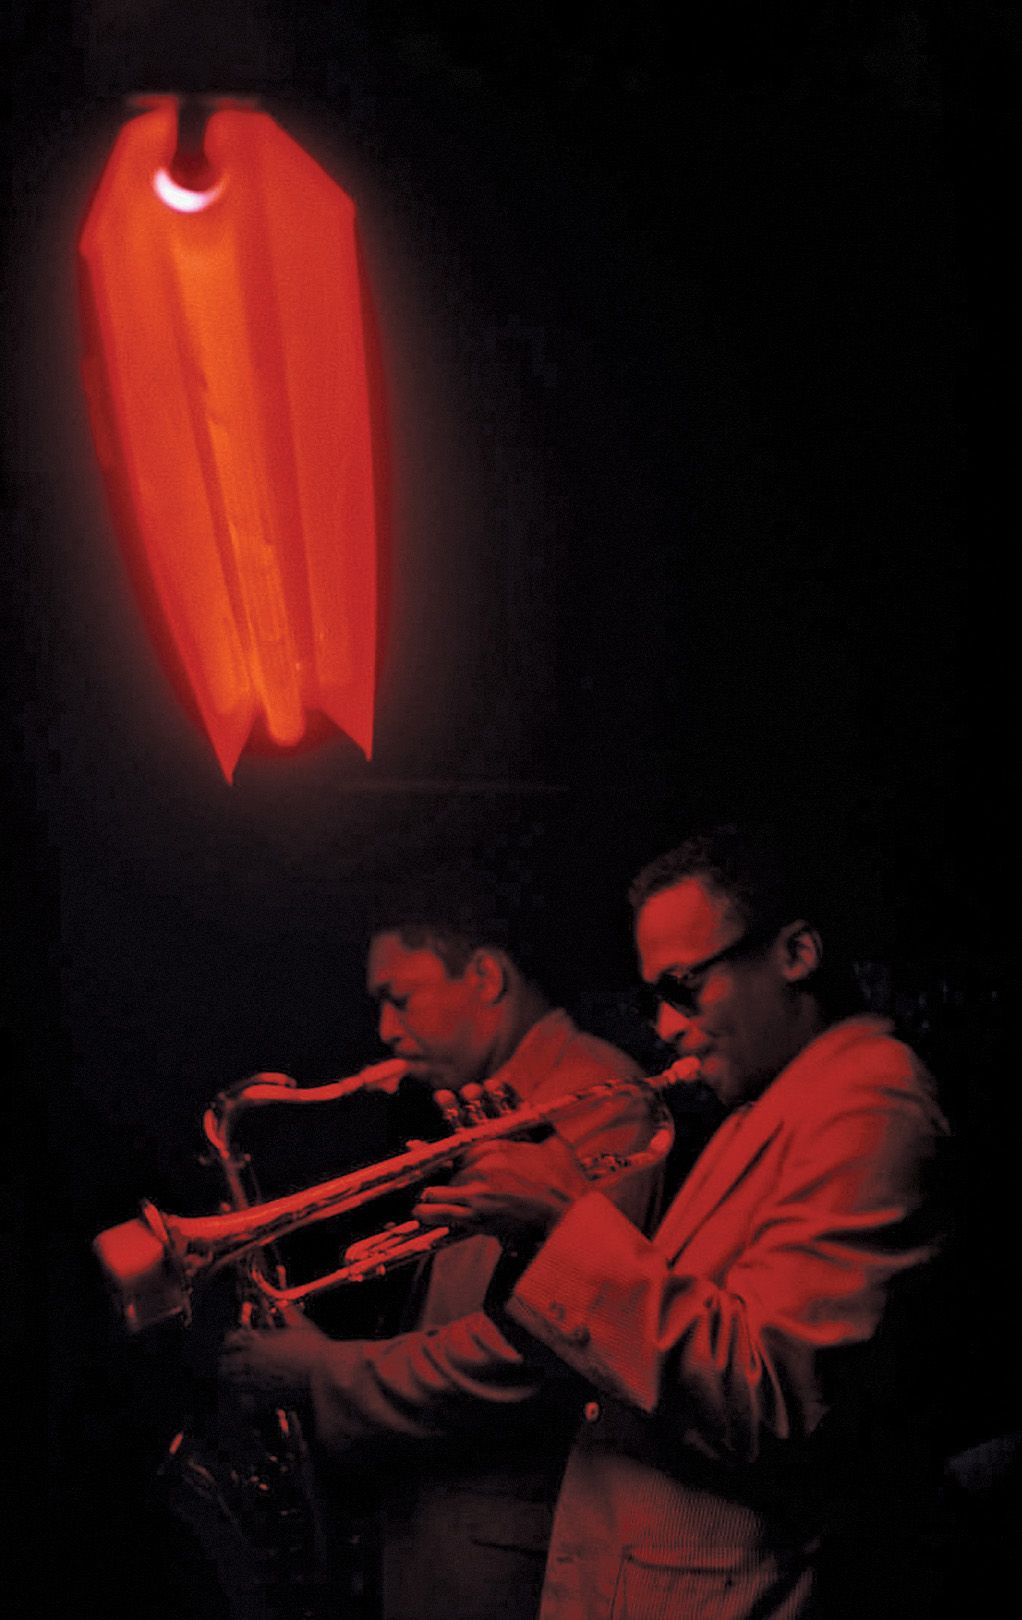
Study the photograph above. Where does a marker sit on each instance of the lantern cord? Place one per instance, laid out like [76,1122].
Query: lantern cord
[190,167]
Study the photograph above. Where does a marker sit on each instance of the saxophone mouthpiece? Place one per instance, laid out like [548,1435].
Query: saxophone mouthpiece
[385,1076]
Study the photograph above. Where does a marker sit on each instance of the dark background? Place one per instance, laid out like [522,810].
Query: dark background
[700,334]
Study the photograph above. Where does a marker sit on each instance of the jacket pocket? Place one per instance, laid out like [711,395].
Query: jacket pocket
[720,1583]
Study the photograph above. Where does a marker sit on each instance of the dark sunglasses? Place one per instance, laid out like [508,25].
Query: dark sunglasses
[682,990]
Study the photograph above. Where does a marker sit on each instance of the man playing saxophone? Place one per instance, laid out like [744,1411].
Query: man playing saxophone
[473,1438]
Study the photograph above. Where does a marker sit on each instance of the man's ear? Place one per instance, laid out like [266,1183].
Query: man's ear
[801,951]
[491,971]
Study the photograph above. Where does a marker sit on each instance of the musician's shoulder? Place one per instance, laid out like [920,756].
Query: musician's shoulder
[588,1060]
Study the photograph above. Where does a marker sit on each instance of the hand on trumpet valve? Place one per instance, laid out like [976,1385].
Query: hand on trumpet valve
[507,1187]
[273,1366]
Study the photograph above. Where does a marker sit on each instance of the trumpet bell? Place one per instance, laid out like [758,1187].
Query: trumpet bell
[141,1270]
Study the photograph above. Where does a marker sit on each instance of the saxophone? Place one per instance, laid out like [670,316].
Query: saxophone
[244,1483]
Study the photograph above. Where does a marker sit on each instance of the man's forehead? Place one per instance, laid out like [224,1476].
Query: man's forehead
[685,920]
[391,962]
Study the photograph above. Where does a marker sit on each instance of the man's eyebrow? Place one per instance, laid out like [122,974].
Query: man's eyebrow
[391,990]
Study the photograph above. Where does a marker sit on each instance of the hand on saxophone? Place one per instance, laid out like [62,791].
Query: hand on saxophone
[507,1188]
[269,1367]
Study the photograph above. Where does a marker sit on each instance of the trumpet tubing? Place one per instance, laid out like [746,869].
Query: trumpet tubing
[153,1263]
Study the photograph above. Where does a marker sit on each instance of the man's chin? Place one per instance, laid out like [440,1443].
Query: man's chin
[431,1076]
[421,1069]
[716,1077]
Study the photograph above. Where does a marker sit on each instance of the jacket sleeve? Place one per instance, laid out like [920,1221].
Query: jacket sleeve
[462,1374]
[746,1359]
[418,1386]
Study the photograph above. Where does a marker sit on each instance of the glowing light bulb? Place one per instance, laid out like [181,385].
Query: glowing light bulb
[225,363]
[185,200]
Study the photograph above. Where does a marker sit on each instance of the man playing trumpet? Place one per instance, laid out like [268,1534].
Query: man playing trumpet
[748,1450]
[472,1438]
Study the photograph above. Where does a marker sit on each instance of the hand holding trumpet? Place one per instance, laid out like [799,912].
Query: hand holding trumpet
[502,1187]
[523,1188]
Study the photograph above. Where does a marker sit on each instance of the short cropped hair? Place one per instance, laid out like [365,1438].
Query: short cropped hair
[456,913]
[769,882]
[745,865]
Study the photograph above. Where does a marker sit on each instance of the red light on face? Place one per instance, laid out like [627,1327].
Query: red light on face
[225,367]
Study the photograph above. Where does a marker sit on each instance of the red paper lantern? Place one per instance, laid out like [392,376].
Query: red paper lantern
[226,371]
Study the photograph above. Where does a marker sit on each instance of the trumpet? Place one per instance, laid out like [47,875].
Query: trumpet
[153,1264]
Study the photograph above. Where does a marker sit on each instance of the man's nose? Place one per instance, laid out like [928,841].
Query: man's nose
[670,1022]
[389,1025]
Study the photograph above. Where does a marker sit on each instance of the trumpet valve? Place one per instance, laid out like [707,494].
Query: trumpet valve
[499,1096]
[447,1103]
[473,1107]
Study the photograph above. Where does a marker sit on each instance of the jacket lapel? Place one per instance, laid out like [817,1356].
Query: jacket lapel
[718,1173]
[745,1135]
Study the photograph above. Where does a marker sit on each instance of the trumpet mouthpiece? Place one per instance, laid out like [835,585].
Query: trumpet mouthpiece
[683,1072]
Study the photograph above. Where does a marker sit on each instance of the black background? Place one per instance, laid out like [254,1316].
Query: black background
[700,334]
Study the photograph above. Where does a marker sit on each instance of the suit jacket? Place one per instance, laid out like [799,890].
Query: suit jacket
[734,1357]
[472,1436]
